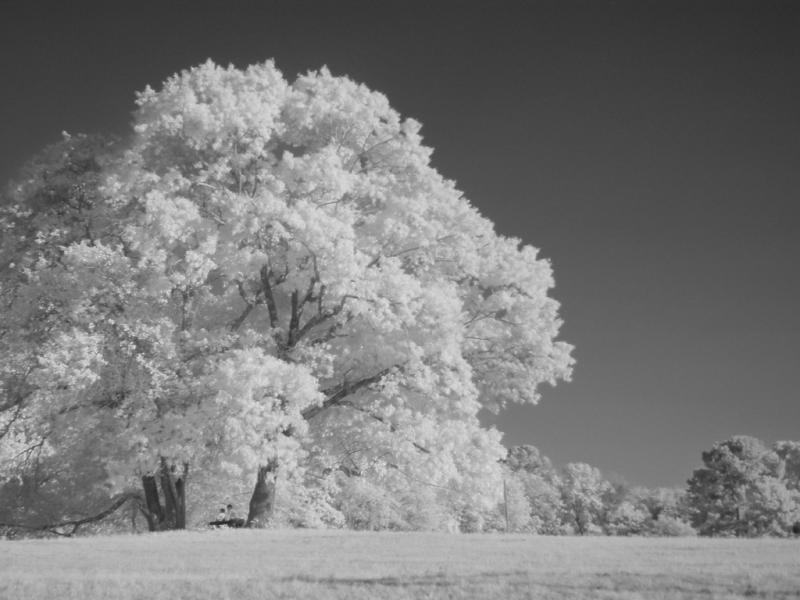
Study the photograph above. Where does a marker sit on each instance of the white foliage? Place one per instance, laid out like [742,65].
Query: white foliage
[278,272]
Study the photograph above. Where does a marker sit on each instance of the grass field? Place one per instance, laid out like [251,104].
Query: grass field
[247,564]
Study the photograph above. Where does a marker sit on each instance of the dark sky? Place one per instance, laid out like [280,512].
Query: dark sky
[651,150]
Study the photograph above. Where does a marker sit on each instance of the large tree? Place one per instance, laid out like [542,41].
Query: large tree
[270,281]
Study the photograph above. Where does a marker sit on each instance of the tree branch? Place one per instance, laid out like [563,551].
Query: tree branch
[238,321]
[76,523]
[249,305]
[294,320]
[321,316]
[335,395]
[272,308]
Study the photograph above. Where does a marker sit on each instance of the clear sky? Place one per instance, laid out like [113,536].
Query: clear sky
[651,150]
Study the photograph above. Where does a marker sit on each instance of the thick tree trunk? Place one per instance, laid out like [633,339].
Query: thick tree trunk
[152,510]
[180,493]
[172,514]
[262,502]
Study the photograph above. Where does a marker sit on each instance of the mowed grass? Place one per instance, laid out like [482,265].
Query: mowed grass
[247,564]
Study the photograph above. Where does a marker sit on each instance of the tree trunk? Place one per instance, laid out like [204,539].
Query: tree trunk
[180,499]
[262,502]
[580,525]
[505,502]
[152,510]
[172,514]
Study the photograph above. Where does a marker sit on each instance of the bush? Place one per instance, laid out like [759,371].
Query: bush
[367,506]
[423,510]
[670,527]
[311,507]
[627,519]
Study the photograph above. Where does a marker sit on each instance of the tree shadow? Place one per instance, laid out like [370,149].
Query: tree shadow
[429,580]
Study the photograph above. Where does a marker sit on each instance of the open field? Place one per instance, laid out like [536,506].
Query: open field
[245,564]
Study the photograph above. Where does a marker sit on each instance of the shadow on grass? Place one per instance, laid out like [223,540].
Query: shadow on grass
[602,584]
[433,580]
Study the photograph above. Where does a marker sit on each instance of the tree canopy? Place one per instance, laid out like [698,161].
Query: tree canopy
[267,279]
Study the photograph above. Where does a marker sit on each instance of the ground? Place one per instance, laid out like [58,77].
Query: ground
[250,564]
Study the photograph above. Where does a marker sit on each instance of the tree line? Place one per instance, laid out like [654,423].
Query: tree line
[745,488]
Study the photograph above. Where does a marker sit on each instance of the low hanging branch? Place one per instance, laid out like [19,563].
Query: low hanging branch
[75,524]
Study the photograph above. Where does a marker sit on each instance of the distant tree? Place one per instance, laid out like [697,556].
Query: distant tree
[528,458]
[582,491]
[789,467]
[670,527]
[544,495]
[789,473]
[621,513]
[636,510]
[627,518]
[540,485]
[739,491]
[618,491]
[660,502]
[514,512]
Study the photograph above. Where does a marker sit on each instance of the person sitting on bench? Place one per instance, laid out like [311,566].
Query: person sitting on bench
[227,517]
[221,520]
[234,520]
